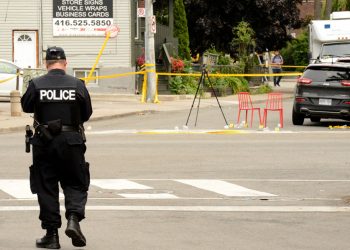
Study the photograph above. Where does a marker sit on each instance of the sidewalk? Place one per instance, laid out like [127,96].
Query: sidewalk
[108,106]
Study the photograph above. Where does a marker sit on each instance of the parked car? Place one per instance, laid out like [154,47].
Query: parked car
[8,81]
[323,91]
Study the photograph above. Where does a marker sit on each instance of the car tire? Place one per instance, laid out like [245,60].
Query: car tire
[297,118]
[315,119]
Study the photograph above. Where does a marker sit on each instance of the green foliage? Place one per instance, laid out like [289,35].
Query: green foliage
[244,42]
[188,85]
[181,29]
[243,38]
[211,22]
[235,84]
[296,51]
[224,60]
[340,5]
[183,85]
[263,89]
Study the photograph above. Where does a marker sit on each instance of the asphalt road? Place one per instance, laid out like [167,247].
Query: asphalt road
[151,189]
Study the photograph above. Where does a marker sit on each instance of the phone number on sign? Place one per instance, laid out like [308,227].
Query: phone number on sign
[83,22]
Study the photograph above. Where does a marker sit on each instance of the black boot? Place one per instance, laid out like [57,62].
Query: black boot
[73,231]
[50,240]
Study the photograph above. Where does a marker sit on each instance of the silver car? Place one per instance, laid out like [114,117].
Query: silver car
[8,78]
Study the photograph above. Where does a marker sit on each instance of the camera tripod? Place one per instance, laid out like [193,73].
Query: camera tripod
[200,85]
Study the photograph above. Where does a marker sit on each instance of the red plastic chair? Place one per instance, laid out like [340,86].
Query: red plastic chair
[274,103]
[245,103]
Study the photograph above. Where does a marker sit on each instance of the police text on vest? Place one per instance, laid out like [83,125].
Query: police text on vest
[57,95]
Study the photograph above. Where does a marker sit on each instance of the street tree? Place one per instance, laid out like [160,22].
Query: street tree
[211,22]
[181,29]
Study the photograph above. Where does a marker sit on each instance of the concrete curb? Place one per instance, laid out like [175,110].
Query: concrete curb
[18,128]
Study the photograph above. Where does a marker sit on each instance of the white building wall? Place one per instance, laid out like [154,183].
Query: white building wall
[16,15]
[81,52]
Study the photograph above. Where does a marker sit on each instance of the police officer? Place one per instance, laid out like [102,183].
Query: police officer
[61,104]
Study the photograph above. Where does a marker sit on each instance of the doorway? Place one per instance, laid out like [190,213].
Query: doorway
[25,48]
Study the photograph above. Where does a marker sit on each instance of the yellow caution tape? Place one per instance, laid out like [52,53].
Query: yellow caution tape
[339,127]
[156,100]
[228,75]
[113,75]
[9,79]
[144,71]
[225,132]
[284,66]
[98,57]
[144,87]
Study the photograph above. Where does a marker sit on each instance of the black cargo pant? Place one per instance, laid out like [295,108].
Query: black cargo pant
[60,161]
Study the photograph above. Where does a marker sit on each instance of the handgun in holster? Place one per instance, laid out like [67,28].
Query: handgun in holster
[82,132]
[42,132]
[28,138]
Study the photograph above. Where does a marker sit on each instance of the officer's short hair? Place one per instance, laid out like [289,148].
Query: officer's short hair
[51,62]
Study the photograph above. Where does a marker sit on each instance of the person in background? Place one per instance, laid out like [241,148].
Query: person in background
[277,61]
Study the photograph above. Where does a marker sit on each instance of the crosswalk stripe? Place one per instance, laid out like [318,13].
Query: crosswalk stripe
[224,188]
[118,184]
[149,196]
[19,189]
[273,209]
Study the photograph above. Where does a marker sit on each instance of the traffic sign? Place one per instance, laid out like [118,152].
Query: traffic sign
[113,31]
[141,12]
[153,24]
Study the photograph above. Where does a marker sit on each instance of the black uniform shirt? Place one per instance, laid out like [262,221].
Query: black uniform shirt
[58,79]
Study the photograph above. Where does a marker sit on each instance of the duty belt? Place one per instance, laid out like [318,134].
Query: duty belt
[66,128]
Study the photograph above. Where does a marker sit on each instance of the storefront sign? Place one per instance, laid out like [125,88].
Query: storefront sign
[82,17]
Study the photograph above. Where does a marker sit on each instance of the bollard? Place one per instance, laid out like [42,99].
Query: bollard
[15,99]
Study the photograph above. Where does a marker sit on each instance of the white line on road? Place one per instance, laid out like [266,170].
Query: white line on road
[224,188]
[118,184]
[149,196]
[205,131]
[17,188]
[272,209]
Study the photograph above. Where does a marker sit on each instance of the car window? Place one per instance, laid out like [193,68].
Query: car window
[327,74]
[7,68]
[336,49]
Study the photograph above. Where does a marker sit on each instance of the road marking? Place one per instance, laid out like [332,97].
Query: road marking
[118,184]
[185,131]
[205,131]
[149,196]
[272,209]
[255,180]
[224,188]
[17,188]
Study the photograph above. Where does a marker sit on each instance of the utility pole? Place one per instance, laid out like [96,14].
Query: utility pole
[328,8]
[317,9]
[149,51]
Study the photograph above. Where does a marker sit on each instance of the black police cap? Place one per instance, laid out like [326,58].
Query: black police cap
[55,53]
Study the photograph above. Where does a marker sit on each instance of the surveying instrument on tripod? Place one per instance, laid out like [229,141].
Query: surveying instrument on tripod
[208,59]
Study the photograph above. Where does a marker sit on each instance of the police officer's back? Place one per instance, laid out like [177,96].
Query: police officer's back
[61,104]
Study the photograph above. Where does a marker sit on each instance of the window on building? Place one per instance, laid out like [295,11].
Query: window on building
[24,38]
[84,73]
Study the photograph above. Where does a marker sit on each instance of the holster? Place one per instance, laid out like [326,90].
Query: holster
[55,126]
[43,133]
[82,132]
